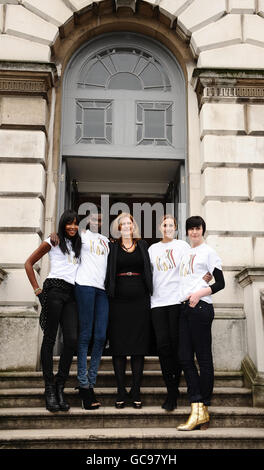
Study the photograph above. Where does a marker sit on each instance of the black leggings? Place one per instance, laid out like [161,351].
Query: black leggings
[61,310]
[166,326]
[196,340]
[137,366]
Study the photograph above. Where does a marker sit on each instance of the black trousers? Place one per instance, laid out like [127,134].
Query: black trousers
[61,310]
[195,339]
[166,326]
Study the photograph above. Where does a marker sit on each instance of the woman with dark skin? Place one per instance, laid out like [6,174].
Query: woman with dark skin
[58,305]
[92,306]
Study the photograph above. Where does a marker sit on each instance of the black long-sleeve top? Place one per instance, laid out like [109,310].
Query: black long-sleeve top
[111,271]
[219,283]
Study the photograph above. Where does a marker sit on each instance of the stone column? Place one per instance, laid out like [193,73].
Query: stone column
[252,280]
[231,106]
[24,119]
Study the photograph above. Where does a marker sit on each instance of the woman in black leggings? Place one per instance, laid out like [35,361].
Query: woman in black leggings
[197,313]
[58,305]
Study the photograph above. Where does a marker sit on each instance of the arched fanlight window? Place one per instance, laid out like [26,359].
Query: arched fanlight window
[124,68]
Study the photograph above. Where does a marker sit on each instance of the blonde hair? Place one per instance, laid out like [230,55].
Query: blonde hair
[116,226]
[168,216]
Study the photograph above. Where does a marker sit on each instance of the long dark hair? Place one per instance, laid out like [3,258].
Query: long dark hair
[67,217]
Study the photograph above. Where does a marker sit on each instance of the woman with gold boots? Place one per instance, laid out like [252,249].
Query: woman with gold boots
[196,317]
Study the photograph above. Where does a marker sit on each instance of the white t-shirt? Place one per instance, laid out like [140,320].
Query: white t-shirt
[194,265]
[165,259]
[62,266]
[92,269]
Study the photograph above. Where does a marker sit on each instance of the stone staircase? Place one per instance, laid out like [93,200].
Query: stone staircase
[26,424]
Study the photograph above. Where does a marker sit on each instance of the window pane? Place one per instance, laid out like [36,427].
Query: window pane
[78,113]
[109,133]
[169,115]
[154,124]
[151,76]
[139,133]
[124,61]
[141,64]
[97,75]
[169,133]
[109,114]
[78,133]
[124,81]
[139,113]
[147,142]
[93,123]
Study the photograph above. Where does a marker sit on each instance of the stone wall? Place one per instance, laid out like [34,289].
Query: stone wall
[25,105]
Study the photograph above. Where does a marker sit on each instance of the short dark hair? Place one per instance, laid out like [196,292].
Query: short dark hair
[195,221]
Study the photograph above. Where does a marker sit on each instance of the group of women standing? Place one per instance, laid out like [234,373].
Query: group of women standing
[121,287]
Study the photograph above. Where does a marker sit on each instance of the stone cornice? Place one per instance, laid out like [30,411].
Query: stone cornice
[19,78]
[3,274]
[221,85]
[126,3]
[249,275]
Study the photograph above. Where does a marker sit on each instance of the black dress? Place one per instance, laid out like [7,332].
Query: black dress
[129,312]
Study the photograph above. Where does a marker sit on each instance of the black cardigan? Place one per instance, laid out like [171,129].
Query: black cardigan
[110,280]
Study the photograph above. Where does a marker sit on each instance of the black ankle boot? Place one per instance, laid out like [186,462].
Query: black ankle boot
[88,398]
[51,398]
[170,403]
[64,406]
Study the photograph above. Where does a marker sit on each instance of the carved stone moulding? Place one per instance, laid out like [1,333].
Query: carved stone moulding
[219,85]
[126,3]
[3,274]
[26,78]
[249,275]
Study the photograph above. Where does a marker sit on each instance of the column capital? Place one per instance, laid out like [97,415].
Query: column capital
[249,275]
[26,78]
[3,274]
[228,85]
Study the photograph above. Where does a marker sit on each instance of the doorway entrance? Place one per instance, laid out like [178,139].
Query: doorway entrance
[146,188]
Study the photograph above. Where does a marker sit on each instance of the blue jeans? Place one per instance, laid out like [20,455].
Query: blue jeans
[93,312]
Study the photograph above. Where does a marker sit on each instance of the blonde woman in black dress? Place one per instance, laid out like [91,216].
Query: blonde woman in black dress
[129,286]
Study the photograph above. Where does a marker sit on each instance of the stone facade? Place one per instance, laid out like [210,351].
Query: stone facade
[220,46]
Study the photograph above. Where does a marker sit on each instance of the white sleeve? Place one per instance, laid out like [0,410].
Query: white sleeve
[213,261]
[186,247]
[47,240]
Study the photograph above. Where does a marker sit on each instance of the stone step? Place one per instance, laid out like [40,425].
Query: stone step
[151,378]
[110,417]
[222,396]
[150,363]
[133,438]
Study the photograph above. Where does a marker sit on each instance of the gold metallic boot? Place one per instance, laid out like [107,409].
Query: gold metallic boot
[197,419]
[206,416]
